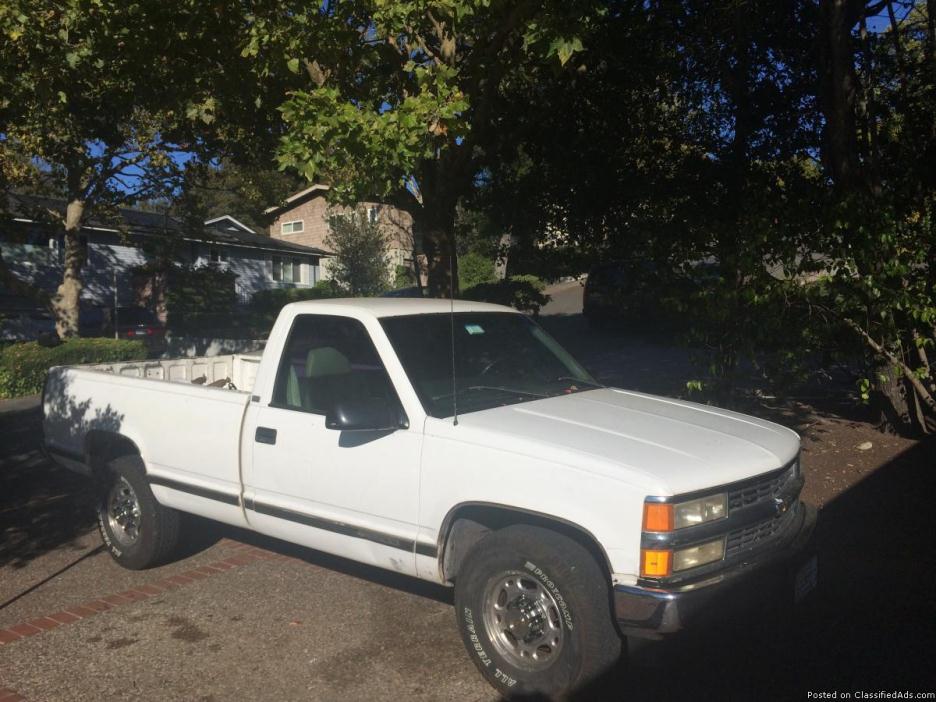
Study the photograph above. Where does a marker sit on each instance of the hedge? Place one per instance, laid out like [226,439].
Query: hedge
[523,292]
[23,366]
[265,305]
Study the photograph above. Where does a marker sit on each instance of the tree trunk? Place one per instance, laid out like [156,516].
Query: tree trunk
[66,299]
[441,261]
[838,92]
[435,221]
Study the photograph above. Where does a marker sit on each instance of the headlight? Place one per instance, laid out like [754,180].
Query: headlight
[699,511]
[686,558]
[661,563]
[666,516]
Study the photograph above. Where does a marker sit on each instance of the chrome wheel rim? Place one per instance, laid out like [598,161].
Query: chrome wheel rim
[523,621]
[123,512]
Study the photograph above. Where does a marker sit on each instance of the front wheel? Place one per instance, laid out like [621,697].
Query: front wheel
[534,612]
[137,531]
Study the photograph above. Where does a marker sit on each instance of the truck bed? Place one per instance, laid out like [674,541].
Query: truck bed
[231,372]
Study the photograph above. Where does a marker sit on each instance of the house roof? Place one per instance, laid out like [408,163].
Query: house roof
[29,209]
[295,199]
[228,222]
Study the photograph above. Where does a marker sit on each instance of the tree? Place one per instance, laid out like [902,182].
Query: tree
[232,188]
[113,99]
[879,101]
[360,248]
[404,95]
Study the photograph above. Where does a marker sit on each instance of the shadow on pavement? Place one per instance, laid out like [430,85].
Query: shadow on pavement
[42,507]
[870,626]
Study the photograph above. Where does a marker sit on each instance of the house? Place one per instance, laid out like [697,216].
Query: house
[33,251]
[305,218]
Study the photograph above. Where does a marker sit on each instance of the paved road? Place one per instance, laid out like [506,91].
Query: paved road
[566,298]
[239,617]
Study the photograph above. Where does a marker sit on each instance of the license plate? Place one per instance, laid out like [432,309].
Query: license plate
[806,579]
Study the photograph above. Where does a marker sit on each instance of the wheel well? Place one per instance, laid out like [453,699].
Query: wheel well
[466,525]
[104,446]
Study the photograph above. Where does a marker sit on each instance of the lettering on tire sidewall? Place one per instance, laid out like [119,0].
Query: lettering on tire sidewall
[111,546]
[550,585]
[475,639]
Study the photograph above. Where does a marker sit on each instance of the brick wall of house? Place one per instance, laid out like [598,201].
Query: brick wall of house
[314,213]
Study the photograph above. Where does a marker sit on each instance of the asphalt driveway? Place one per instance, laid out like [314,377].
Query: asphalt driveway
[241,617]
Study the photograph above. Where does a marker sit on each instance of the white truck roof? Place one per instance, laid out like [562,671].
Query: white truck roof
[391,307]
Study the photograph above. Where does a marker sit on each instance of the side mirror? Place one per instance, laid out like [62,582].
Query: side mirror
[366,415]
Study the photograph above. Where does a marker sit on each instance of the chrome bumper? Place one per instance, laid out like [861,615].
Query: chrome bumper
[649,612]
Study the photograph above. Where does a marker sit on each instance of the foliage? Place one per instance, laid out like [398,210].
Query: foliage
[474,269]
[199,299]
[523,292]
[360,246]
[23,366]
[111,100]
[243,192]
[403,277]
[403,95]
[265,305]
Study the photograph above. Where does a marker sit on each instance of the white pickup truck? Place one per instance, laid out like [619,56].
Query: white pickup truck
[458,443]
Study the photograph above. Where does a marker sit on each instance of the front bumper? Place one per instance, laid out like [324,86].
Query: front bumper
[765,576]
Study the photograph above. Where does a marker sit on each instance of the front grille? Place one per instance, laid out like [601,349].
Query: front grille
[763,490]
[741,540]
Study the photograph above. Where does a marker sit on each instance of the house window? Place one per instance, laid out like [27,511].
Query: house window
[287,270]
[292,227]
[215,255]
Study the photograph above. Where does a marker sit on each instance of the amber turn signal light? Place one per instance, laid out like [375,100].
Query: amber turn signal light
[657,516]
[656,564]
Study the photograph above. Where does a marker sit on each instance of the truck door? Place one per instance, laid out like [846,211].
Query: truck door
[349,493]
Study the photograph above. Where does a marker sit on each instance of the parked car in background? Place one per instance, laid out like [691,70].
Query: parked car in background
[140,324]
[135,323]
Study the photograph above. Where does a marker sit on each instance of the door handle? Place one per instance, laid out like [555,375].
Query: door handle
[265,435]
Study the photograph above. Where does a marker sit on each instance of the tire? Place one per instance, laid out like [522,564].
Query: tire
[137,531]
[534,611]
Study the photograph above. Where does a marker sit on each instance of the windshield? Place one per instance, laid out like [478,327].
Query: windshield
[500,359]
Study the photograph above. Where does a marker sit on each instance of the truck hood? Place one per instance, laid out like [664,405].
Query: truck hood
[667,446]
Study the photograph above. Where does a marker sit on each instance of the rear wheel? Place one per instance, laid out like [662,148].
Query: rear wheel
[534,612]
[137,531]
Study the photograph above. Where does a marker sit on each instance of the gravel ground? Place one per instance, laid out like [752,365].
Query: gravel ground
[288,623]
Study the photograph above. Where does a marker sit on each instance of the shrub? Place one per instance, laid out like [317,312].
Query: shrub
[404,277]
[360,247]
[200,298]
[523,292]
[23,366]
[474,269]
[265,305]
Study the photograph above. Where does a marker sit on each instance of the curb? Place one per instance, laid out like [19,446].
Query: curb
[246,554]
[19,404]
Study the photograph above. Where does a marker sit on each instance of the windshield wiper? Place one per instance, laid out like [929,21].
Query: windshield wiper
[579,381]
[512,391]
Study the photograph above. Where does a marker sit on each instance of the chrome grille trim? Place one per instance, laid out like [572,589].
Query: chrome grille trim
[742,540]
[767,489]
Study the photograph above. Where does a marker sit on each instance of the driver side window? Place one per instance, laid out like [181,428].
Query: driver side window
[329,360]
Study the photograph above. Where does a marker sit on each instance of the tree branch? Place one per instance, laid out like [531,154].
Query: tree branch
[906,370]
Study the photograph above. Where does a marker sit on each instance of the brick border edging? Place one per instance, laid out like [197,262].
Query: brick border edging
[249,554]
